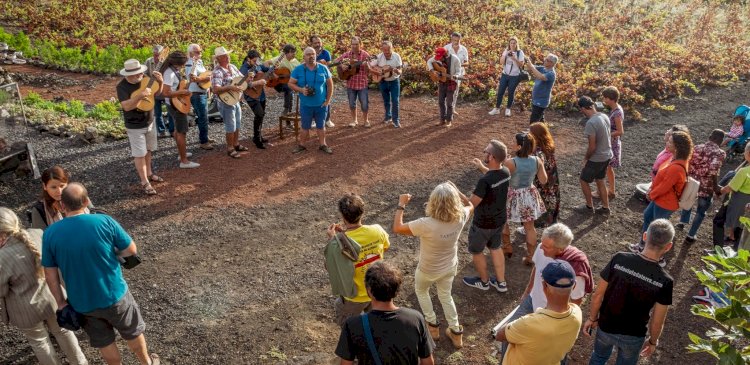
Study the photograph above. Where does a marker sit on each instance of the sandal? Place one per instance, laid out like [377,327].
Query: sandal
[155,359]
[240,148]
[155,178]
[233,154]
[148,189]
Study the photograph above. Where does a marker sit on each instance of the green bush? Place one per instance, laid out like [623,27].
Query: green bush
[106,110]
[729,340]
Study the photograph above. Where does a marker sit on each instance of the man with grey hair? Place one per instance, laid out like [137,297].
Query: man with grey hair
[546,336]
[632,299]
[555,245]
[544,78]
[194,68]
[489,200]
[313,82]
[388,64]
[151,63]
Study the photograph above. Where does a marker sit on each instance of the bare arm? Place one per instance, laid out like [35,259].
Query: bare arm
[130,251]
[466,201]
[541,173]
[500,335]
[534,72]
[530,285]
[329,91]
[656,325]
[346,362]
[293,85]
[591,147]
[596,304]
[52,278]
[475,200]
[427,361]
[398,219]
[480,165]
[618,124]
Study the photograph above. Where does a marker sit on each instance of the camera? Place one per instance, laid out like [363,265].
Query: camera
[309,91]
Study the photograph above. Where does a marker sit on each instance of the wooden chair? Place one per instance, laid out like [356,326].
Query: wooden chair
[291,117]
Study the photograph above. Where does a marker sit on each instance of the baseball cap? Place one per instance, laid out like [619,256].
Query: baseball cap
[440,52]
[559,274]
[585,102]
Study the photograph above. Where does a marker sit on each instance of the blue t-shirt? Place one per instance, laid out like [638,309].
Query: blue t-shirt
[83,248]
[257,68]
[542,92]
[324,56]
[315,79]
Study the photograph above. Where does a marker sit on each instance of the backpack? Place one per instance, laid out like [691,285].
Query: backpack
[689,192]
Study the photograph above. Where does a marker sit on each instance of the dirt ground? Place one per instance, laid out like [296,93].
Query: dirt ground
[233,270]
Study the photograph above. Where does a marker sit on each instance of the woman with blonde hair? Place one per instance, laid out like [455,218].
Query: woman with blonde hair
[447,212]
[25,299]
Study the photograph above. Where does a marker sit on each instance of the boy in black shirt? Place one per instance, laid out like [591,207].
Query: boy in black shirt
[490,201]
[631,286]
[399,335]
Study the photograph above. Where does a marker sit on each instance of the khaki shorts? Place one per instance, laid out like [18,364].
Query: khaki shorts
[142,140]
[345,309]
[124,316]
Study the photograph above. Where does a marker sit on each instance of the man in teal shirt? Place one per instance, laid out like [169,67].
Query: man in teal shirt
[313,82]
[85,248]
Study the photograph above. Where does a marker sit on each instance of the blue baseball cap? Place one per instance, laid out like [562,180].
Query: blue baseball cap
[559,274]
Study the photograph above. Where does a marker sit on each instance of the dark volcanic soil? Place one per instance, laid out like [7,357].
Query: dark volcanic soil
[233,250]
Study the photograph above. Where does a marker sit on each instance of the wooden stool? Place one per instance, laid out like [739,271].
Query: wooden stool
[291,117]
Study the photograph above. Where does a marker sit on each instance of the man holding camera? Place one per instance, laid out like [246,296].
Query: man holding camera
[314,84]
[86,250]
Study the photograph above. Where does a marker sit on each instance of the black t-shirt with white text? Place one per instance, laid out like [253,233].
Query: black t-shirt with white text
[400,336]
[634,285]
[493,189]
[134,119]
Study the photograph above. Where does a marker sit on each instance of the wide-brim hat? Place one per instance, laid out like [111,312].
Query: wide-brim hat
[221,51]
[133,67]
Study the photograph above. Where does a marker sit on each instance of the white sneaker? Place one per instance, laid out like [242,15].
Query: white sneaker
[367,124]
[494,111]
[330,124]
[187,155]
[507,112]
[189,165]
[353,124]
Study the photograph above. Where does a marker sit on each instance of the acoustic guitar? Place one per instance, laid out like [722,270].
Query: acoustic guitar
[182,103]
[147,104]
[277,75]
[440,73]
[231,98]
[381,73]
[347,68]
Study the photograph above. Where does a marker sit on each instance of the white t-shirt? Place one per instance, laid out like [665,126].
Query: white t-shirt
[510,68]
[462,54]
[170,78]
[538,300]
[394,62]
[438,249]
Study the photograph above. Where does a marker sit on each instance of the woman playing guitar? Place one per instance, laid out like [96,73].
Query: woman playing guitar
[171,71]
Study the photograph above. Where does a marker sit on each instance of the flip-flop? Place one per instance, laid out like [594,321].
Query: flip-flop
[155,359]
[233,154]
[240,148]
[155,178]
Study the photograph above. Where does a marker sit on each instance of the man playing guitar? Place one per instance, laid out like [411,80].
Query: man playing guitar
[193,68]
[323,57]
[457,49]
[287,60]
[258,106]
[165,130]
[356,86]
[221,81]
[390,65]
[172,78]
[446,89]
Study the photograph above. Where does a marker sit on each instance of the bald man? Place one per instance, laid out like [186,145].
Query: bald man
[313,82]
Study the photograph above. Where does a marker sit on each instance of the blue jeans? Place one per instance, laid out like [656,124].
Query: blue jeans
[652,213]
[391,91]
[628,348]
[700,212]
[200,106]
[510,83]
[364,101]
[158,117]
[232,116]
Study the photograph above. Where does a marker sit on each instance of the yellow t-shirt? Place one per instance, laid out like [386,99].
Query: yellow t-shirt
[530,336]
[741,181]
[291,65]
[374,241]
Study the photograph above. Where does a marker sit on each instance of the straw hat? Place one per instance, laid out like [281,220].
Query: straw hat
[133,67]
[221,51]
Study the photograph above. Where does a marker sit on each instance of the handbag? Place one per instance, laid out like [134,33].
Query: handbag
[370,341]
[523,76]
